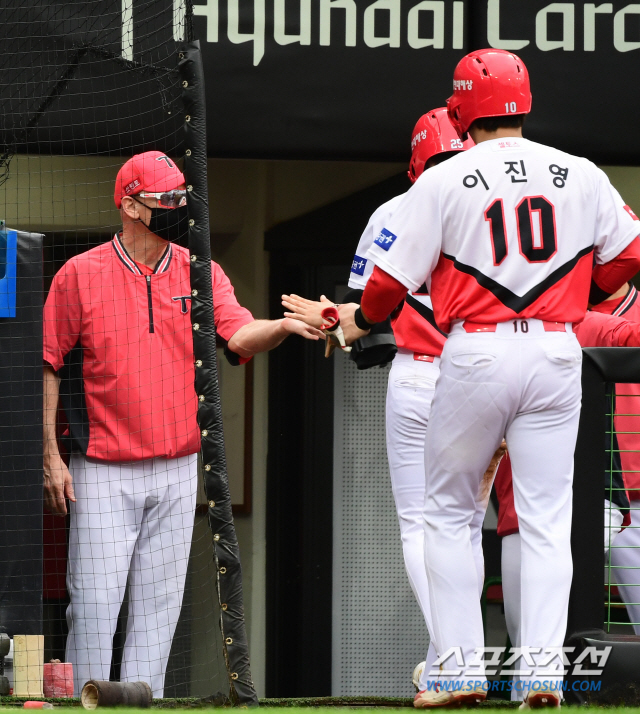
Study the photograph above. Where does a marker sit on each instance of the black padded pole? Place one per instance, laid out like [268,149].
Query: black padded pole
[226,553]
[21,448]
[587,526]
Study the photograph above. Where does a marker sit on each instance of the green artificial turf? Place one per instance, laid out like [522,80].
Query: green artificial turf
[487,708]
[332,705]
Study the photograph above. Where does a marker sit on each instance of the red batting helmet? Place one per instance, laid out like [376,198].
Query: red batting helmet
[488,83]
[433,135]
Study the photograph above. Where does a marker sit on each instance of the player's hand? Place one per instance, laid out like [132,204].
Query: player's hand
[57,485]
[351,331]
[309,311]
[296,327]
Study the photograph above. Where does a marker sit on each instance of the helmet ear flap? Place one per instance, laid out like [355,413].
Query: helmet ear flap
[411,173]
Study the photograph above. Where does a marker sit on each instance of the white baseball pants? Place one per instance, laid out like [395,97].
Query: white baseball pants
[525,387]
[625,565]
[134,521]
[409,394]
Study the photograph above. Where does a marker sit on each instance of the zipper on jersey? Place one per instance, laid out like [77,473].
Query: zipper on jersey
[150,303]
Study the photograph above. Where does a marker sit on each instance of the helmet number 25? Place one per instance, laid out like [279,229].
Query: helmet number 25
[536,238]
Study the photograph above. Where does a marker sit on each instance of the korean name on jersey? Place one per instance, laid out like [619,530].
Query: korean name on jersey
[509,227]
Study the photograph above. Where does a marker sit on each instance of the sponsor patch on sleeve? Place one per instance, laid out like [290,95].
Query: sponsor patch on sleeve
[358,265]
[629,210]
[385,239]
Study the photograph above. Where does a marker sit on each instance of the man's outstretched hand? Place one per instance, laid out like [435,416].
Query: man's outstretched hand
[296,327]
[308,311]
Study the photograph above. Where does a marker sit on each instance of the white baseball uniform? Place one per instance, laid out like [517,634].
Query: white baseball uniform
[412,380]
[504,235]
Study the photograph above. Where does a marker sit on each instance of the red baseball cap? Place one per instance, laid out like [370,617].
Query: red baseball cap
[151,171]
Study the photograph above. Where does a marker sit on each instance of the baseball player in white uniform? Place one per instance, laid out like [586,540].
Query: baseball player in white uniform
[504,236]
[412,377]
[596,330]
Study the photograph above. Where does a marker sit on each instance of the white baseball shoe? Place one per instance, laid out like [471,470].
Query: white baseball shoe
[543,698]
[417,675]
[439,697]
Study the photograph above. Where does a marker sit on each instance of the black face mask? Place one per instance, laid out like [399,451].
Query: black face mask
[171,224]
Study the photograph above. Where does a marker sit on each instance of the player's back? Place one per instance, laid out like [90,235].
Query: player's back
[520,222]
[506,229]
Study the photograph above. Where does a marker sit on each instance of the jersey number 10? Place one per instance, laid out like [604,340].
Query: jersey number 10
[536,246]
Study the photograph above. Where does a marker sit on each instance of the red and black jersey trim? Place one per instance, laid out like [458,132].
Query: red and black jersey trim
[425,312]
[509,299]
[121,252]
[627,302]
[161,266]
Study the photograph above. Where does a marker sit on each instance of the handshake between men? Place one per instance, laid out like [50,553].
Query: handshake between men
[310,312]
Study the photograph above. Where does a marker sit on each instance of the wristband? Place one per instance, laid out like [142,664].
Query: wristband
[360,320]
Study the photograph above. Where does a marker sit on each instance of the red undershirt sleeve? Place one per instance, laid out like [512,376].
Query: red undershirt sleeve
[611,276]
[381,296]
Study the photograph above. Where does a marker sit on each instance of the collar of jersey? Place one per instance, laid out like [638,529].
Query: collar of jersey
[161,266]
[627,301]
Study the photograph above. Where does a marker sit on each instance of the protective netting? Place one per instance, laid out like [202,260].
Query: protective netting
[622,509]
[124,585]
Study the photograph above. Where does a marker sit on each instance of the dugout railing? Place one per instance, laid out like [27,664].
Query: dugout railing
[601,367]
[597,466]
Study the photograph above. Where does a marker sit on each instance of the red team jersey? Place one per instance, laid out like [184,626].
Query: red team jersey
[596,330]
[414,327]
[135,335]
[627,425]
[523,254]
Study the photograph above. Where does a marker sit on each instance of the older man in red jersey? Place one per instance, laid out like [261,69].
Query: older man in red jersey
[120,313]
